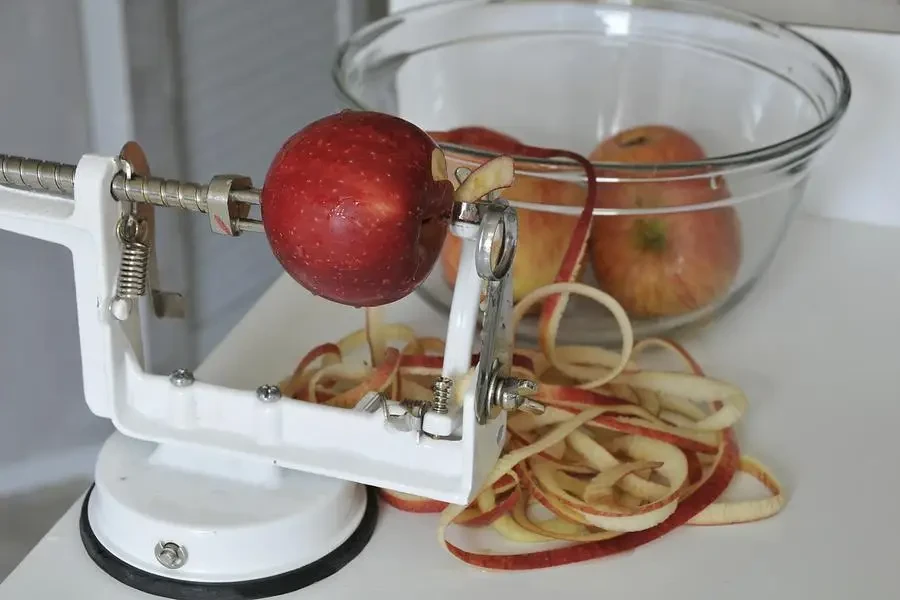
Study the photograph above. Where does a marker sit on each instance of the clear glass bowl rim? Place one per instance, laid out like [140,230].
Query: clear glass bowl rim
[711,166]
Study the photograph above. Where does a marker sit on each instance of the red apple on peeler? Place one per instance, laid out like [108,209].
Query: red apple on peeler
[543,236]
[356,207]
[669,264]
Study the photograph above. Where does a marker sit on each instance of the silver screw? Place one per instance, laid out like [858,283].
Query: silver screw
[170,555]
[181,378]
[268,393]
[513,390]
[513,395]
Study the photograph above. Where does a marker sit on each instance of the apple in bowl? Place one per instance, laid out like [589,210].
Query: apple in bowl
[665,264]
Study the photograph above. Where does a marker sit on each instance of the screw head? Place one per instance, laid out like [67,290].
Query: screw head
[170,555]
[268,393]
[181,378]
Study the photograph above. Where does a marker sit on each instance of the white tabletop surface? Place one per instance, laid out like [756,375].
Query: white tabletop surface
[814,348]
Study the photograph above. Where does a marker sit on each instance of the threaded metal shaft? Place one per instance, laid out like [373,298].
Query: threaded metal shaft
[160,192]
[58,178]
[37,175]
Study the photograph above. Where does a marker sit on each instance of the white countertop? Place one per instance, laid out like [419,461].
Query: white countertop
[812,346]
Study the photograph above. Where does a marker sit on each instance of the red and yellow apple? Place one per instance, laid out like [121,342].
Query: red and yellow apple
[356,207]
[662,264]
[543,236]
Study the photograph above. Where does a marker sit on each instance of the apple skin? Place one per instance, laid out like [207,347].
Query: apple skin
[352,209]
[649,144]
[543,236]
[663,265]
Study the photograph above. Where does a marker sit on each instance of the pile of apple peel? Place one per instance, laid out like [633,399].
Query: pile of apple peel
[622,455]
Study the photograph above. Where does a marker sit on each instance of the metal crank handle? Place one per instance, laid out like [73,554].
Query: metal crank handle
[227,199]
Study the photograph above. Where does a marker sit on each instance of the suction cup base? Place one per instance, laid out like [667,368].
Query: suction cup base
[194,535]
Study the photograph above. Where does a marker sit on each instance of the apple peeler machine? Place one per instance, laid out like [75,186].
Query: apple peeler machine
[196,470]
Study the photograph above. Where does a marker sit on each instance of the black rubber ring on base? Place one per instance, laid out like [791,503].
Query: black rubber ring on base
[255,589]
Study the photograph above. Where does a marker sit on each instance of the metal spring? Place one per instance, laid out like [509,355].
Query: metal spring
[442,390]
[133,267]
[135,261]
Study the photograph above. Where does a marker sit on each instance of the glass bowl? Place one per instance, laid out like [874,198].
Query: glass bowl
[709,118]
